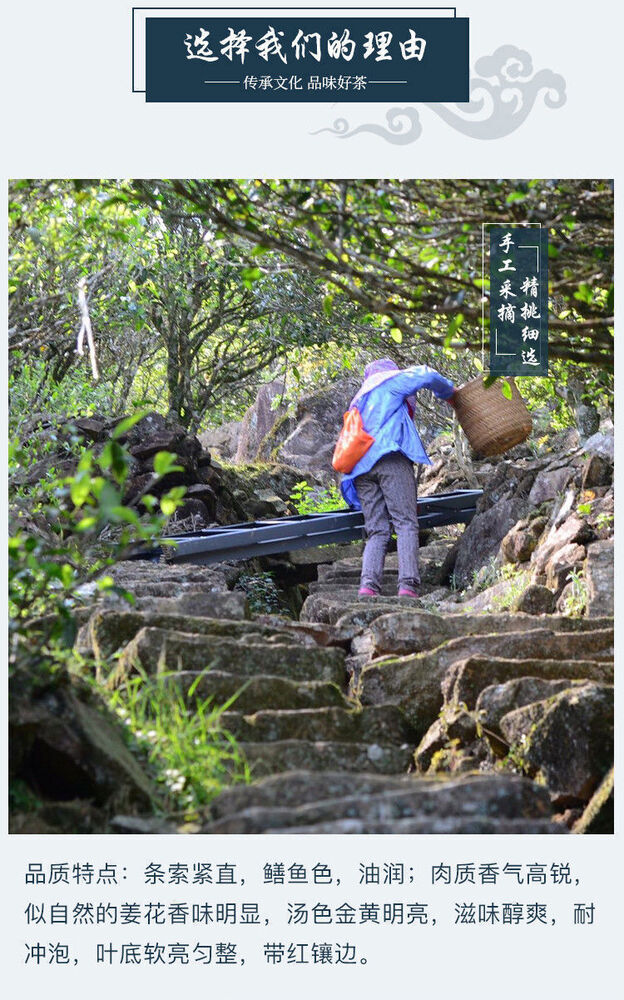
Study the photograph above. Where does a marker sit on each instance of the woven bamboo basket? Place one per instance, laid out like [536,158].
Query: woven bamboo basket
[491,422]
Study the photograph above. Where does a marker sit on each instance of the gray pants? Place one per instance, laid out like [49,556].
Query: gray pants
[388,493]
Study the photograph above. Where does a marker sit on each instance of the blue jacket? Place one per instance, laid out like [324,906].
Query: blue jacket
[381,401]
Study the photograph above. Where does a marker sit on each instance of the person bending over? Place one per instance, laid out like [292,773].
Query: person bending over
[382,484]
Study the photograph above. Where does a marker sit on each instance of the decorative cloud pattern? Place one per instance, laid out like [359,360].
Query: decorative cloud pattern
[502,95]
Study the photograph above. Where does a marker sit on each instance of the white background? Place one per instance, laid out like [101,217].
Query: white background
[70,113]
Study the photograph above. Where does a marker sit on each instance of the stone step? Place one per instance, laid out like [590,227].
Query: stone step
[472,796]
[157,650]
[349,570]
[256,693]
[138,571]
[212,604]
[293,755]
[332,606]
[357,617]
[432,825]
[415,682]
[165,588]
[299,787]
[326,554]
[348,589]
[322,634]
[329,574]
[428,555]
[382,724]
[108,631]
[497,700]
[212,577]
[403,632]
[466,679]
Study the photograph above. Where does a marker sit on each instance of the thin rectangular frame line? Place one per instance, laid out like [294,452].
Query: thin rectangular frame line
[135,90]
[483,225]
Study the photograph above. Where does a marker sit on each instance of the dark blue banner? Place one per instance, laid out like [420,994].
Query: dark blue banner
[518,300]
[307,59]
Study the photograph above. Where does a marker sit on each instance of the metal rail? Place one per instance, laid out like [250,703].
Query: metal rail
[251,539]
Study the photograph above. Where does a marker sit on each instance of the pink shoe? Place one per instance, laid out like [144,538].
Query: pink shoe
[406,592]
[367,592]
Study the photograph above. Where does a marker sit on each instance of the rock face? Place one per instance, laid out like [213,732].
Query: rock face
[377,715]
[535,600]
[214,494]
[467,678]
[496,701]
[521,541]
[68,748]
[572,531]
[548,485]
[393,719]
[483,536]
[599,578]
[258,421]
[567,740]
[457,676]
[562,564]
[598,815]
[222,441]
[154,433]
[420,683]
[600,444]
[306,439]
[597,471]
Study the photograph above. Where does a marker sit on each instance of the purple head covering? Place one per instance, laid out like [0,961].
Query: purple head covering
[382,365]
[378,371]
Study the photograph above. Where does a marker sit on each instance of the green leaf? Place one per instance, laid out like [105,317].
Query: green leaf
[249,275]
[506,389]
[113,457]
[454,326]
[171,500]
[80,489]
[609,302]
[125,514]
[86,461]
[328,305]
[164,462]
[396,335]
[584,293]
[127,423]
[86,523]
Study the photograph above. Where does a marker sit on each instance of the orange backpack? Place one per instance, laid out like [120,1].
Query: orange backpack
[353,442]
